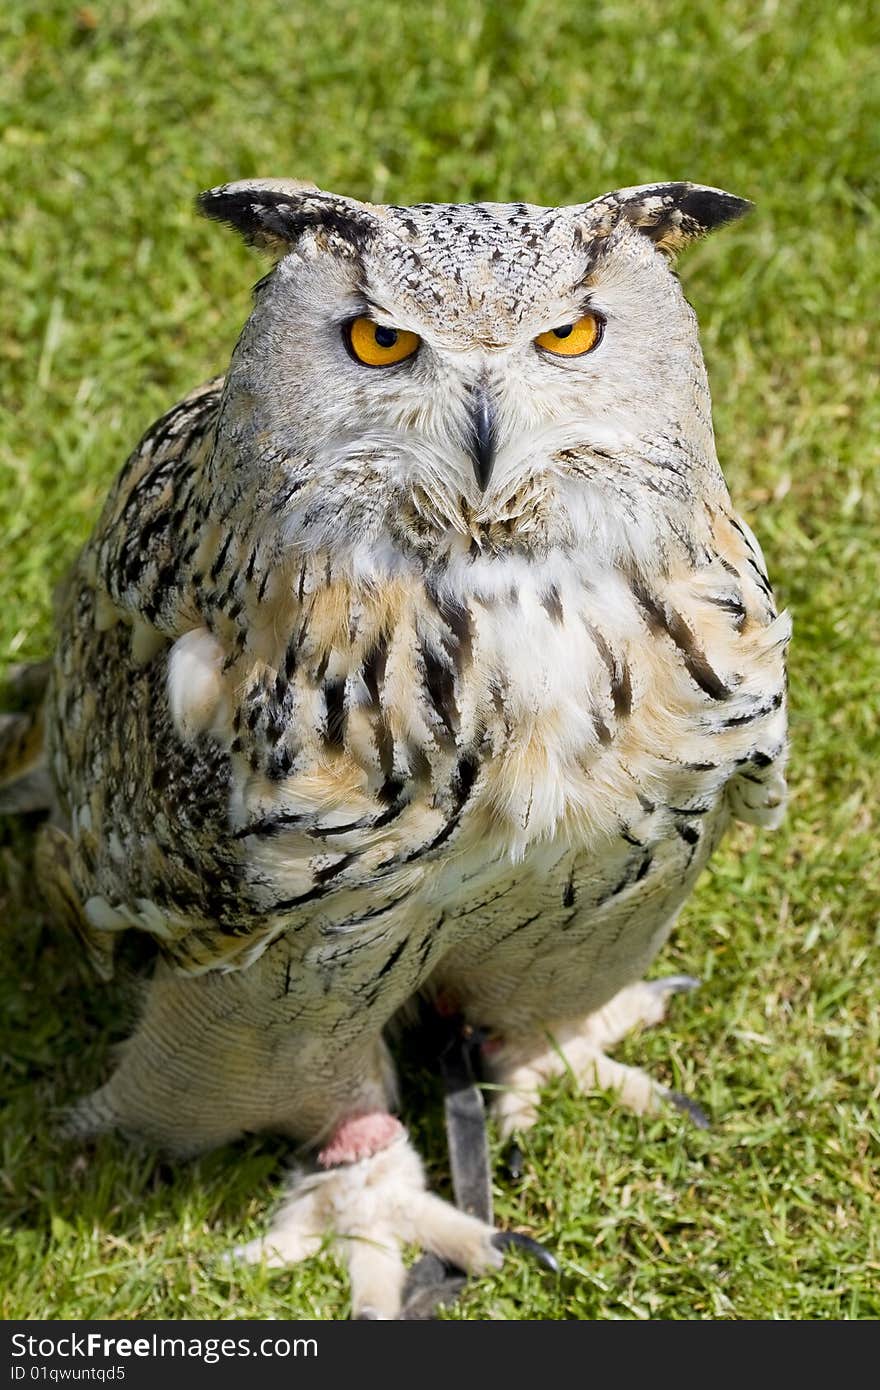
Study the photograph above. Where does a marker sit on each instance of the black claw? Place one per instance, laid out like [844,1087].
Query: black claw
[431,1283]
[514,1161]
[425,1300]
[685,984]
[503,1239]
[427,1271]
[674,984]
[689,1107]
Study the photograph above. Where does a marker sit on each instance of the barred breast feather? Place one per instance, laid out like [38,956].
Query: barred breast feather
[406,761]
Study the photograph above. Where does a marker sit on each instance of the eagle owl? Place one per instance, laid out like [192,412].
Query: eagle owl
[420,656]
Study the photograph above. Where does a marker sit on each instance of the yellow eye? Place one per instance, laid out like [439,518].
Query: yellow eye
[572,339]
[377,346]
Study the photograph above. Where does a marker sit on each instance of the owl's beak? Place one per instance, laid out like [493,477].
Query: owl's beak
[482,441]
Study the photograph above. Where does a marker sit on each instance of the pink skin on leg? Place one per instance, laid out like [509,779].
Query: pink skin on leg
[360,1136]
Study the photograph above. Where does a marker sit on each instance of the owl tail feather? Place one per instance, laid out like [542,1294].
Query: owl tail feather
[25,784]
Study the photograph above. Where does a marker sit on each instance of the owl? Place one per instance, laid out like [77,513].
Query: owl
[421,657]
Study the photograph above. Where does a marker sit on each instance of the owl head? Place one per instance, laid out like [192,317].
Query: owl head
[464,381]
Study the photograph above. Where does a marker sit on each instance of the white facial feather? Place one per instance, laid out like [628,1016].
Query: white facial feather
[380,456]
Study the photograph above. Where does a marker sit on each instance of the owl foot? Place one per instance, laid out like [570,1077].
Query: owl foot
[432,1283]
[522,1066]
[373,1207]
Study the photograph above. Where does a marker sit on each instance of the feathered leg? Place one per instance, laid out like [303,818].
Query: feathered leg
[218,1055]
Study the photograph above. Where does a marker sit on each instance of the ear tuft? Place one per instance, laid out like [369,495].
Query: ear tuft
[274,213]
[674,214]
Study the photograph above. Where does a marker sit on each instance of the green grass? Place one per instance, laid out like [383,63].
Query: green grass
[116,299]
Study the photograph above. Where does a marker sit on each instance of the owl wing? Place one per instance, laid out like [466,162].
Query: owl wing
[146,539]
[738,587]
[165,573]
[137,566]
